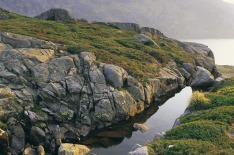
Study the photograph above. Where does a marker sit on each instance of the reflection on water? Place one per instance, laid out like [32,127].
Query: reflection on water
[223,49]
[119,139]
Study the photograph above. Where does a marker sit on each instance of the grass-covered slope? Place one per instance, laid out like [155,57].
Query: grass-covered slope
[111,45]
[208,129]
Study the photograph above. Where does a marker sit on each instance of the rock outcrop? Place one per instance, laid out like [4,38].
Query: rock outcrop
[147,31]
[64,97]
[56,14]
[195,48]
[115,75]
[203,78]
[128,26]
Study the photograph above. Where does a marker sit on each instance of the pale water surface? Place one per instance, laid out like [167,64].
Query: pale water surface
[223,49]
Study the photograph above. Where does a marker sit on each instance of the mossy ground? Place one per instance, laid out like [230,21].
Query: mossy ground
[207,130]
[111,45]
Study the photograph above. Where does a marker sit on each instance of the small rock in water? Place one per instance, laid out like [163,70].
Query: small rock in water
[142,127]
[139,150]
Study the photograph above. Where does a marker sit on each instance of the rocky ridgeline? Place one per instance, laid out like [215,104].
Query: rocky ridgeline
[46,99]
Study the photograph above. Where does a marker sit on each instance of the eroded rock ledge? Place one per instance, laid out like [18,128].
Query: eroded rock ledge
[47,99]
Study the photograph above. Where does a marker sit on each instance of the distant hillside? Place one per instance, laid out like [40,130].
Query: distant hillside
[227,71]
[176,18]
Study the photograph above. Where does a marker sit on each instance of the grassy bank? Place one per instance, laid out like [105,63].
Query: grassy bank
[208,129]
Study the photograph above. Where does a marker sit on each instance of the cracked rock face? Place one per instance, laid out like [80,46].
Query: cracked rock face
[63,98]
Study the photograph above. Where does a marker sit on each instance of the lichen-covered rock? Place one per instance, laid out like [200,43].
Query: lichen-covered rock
[104,111]
[185,74]
[114,75]
[169,80]
[135,89]
[37,54]
[155,85]
[202,78]
[52,91]
[128,26]
[57,15]
[88,58]
[206,62]
[125,105]
[142,127]
[56,133]
[152,33]
[18,136]
[148,94]
[190,69]
[37,135]
[21,41]
[72,149]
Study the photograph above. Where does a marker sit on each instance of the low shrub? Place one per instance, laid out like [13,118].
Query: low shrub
[180,147]
[198,101]
[217,100]
[149,43]
[223,114]
[201,130]
[74,49]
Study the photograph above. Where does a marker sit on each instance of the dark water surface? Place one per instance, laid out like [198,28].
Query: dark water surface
[119,139]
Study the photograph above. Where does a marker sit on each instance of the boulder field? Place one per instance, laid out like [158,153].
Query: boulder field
[48,98]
